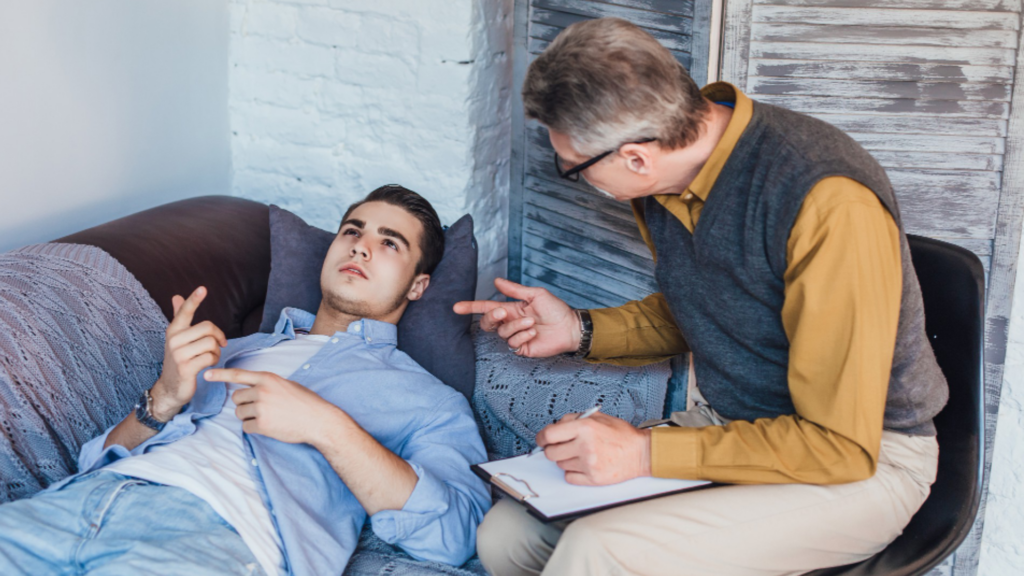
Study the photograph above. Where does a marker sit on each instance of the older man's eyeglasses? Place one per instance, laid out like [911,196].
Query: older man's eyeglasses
[573,174]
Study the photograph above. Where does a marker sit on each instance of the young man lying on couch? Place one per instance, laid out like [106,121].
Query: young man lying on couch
[266,454]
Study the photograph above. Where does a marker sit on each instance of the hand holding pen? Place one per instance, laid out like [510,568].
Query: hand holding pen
[590,412]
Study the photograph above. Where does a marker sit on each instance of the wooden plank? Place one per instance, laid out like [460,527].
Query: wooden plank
[570,298]
[584,276]
[974,5]
[536,47]
[700,38]
[566,282]
[938,160]
[562,13]
[597,219]
[886,17]
[547,25]
[678,7]
[589,245]
[1000,299]
[586,199]
[981,247]
[642,279]
[736,45]
[889,36]
[517,158]
[893,71]
[928,143]
[877,52]
[930,125]
[946,181]
[909,106]
[633,245]
[879,89]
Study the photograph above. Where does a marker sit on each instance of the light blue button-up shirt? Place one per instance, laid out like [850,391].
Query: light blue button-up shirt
[405,408]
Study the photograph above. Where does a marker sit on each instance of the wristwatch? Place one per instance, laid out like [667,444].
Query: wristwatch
[586,333]
[144,412]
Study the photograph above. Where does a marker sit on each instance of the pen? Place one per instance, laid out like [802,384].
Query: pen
[586,414]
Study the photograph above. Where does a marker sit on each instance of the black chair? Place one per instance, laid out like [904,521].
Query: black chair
[953,285]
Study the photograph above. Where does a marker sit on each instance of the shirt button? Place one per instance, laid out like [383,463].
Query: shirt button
[368,339]
[254,462]
[334,340]
[306,367]
[688,196]
[358,327]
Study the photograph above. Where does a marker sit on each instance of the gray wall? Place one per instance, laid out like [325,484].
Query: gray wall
[108,107]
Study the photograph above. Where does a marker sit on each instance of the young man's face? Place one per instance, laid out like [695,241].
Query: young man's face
[370,269]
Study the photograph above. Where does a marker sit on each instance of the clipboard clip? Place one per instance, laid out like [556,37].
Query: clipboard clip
[512,491]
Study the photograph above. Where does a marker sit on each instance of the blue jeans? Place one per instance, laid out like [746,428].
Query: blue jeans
[105,523]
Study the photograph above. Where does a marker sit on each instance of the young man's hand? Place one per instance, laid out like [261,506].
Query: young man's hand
[539,325]
[598,450]
[281,409]
[188,350]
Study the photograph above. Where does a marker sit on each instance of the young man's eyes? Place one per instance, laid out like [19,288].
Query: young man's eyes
[355,232]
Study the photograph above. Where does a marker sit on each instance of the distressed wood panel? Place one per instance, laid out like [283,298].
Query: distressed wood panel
[570,268]
[883,18]
[680,8]
[572,283]
[562,13]
[545,33]
[879,89]
[584,200]
[925,125]
[536,46]
[834,104]
[891,36]
[642,279]
[892,71]
[938,160]
[804,49]
[590,245]
[595,219]
[974,5]
[631,244]
[929,143]
[572,299]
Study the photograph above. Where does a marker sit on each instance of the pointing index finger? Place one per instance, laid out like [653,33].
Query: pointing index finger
[476,306]
[236,376]
[183,317]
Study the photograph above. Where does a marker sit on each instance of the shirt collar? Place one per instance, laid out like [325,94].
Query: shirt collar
[371,331]
[743,110]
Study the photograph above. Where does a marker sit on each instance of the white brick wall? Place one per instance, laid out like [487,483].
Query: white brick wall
[332,98]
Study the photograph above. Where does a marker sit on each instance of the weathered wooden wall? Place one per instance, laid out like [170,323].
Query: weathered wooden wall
[927,87]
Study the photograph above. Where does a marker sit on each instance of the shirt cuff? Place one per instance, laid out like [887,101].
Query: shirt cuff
[675,452]
[608,339]
[429,499]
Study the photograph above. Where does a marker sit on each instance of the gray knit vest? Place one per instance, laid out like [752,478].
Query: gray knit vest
[724,283]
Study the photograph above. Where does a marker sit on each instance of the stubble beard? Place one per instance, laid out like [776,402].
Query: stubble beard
[360,308]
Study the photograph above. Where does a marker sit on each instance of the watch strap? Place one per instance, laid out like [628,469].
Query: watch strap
[586,333]
[144,412]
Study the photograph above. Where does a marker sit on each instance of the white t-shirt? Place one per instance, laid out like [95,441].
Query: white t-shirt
[213,463]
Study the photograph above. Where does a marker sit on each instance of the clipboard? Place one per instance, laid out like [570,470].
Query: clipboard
[539,484]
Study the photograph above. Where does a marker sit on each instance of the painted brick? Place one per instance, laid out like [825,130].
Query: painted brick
[339,97]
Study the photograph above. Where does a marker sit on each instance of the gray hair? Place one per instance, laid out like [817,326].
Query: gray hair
[606,82]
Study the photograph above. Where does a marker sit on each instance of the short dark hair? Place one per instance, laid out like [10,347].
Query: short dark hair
[432,239]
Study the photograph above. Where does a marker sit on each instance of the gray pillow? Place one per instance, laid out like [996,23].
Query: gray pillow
[429,332]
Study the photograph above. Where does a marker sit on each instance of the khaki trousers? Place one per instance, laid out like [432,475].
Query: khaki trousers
[728,530]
